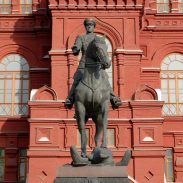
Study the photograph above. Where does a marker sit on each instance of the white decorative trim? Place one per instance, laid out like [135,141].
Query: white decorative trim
[39,69]
[63,51]
[131,178]
[151,26]
[158,91]
[125,50]
[151,68]
[164,178]
[148,139]
[44,139]
[32,94]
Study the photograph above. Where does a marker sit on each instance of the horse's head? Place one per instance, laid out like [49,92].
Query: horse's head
[98,50]
[101,54]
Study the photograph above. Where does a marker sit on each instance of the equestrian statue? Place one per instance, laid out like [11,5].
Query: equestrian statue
[91,94]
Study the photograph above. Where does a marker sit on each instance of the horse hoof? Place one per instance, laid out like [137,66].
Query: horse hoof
[77,159]
[84,156]
[68,104]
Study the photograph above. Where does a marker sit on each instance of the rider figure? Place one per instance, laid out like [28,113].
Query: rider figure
[82,43]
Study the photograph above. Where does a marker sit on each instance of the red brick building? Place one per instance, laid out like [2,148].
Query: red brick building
[36,68]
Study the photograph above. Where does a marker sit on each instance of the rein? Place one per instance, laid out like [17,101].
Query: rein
[92,65]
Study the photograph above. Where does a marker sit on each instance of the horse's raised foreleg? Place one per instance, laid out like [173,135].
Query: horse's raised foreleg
[104,123]
[80,113]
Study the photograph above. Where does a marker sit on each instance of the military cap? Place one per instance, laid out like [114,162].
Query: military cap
[91,20]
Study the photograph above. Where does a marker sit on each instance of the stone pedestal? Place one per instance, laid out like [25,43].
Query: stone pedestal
[92,174]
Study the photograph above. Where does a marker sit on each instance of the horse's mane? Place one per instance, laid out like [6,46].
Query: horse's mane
[93,56]
[97,42]
[100,40]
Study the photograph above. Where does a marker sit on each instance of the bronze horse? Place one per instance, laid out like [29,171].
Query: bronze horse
[92,95]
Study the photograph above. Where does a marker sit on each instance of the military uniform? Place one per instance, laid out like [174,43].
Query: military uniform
[82,43]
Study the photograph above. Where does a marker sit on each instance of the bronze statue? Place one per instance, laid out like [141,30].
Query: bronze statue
[91,90]
[91,94]
[81,44]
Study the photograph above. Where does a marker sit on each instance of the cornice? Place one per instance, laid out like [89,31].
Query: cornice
[59,52]
[24,23]
[129,51]
[95,7]
[164,22]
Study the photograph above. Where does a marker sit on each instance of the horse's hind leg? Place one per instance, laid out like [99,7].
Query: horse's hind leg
[80,112]
[99,127]
[104,123]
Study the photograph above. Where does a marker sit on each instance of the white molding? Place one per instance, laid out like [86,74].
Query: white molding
[32,94]
[158,91]
[38,69]
[151,68]
[132,179]
[127,50]
[63,51]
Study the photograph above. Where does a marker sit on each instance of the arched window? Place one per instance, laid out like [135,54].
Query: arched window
[5,6]
[180,6]
[26,6]
[172,84]
[14,85]
[109,71]
[163,6]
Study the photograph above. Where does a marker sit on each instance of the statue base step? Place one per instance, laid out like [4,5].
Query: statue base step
[92,174]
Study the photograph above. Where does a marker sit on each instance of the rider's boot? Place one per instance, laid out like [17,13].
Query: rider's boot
[69,101]
[115,101]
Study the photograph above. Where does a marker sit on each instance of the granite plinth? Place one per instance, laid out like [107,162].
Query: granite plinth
[92,174]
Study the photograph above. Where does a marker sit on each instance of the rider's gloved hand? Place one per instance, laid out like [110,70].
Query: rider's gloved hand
[75,50]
